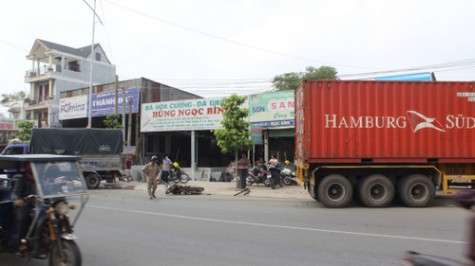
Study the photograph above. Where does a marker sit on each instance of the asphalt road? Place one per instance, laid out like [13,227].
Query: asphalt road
[124,227]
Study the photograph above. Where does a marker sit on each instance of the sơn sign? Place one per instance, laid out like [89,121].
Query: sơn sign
[272,110]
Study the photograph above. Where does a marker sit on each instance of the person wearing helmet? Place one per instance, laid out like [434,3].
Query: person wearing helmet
[152,171]
[164,176]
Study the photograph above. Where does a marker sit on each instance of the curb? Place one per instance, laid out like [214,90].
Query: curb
[223,189]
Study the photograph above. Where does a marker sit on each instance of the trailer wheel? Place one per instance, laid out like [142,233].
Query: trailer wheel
[335,191]
[376,191]
[416,190]
[93,181]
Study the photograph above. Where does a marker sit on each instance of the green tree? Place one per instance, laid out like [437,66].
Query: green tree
[235,134]
[12,97]
[291,81]
[26,128]
[113,121]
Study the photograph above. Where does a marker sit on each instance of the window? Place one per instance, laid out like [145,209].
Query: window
[74,66]
[98,57]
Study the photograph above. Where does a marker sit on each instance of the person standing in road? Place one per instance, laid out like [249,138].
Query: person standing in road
[152,171]
[165,175]
[242,169]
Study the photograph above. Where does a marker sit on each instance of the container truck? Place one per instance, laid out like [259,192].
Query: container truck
[100,150]
[375,141]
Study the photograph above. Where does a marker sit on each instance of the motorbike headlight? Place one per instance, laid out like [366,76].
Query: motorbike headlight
[62,208]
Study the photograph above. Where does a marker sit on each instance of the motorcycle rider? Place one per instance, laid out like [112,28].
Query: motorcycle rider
[24,187]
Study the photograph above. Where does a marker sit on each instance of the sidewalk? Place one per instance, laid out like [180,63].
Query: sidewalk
[224,189]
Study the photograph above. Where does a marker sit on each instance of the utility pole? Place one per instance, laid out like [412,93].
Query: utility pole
[116,106]
[129,124]
[94,15]
[123,113]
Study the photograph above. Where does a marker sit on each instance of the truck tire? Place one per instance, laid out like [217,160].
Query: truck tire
[335,191]
[93,181]
[416,190]
[376,191]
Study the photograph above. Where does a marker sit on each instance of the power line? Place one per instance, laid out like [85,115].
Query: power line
[214,36]
[447,65]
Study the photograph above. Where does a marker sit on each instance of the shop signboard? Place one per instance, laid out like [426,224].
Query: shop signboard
[184,115]
[73,107]
[103,103]
[272,110]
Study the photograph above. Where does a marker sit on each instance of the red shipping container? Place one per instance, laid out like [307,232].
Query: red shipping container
[385,122]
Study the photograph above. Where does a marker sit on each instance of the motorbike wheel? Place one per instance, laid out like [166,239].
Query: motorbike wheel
[248,182]
[184,178]
[170,189]
[71,254]
[267,182]
[287,181]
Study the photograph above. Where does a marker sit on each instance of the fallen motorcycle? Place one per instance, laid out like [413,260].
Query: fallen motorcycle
[180,189]
[50,234]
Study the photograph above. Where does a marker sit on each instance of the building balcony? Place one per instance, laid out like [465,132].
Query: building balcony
[48,72]
[34,104]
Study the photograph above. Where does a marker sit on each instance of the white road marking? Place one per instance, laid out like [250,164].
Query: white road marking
[281,226]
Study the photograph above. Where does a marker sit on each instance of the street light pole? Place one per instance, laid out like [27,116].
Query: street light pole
[89,114]
[94,15]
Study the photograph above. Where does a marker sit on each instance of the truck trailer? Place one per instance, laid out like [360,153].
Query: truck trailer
[376,141]
[100,150]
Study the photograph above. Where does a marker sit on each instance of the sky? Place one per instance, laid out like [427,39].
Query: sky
[217,47]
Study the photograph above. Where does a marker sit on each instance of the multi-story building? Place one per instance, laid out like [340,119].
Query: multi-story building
[57,68]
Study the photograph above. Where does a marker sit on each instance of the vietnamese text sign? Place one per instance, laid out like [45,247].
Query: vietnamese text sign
[275,109]
[184,115]
[73,107]
[103,103]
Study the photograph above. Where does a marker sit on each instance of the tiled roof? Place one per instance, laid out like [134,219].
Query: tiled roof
[83,51]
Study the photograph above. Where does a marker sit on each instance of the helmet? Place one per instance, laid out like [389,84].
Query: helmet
[154,158]
[287,162]
[176,165]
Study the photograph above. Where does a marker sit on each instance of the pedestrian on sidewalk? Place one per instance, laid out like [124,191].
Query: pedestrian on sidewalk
[166,164]
[127,167]
[242,169]
[152,171]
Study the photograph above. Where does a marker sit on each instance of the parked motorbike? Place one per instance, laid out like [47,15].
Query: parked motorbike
[288,177]
[50,233]
[274,177]
[256,176]
[466,200]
